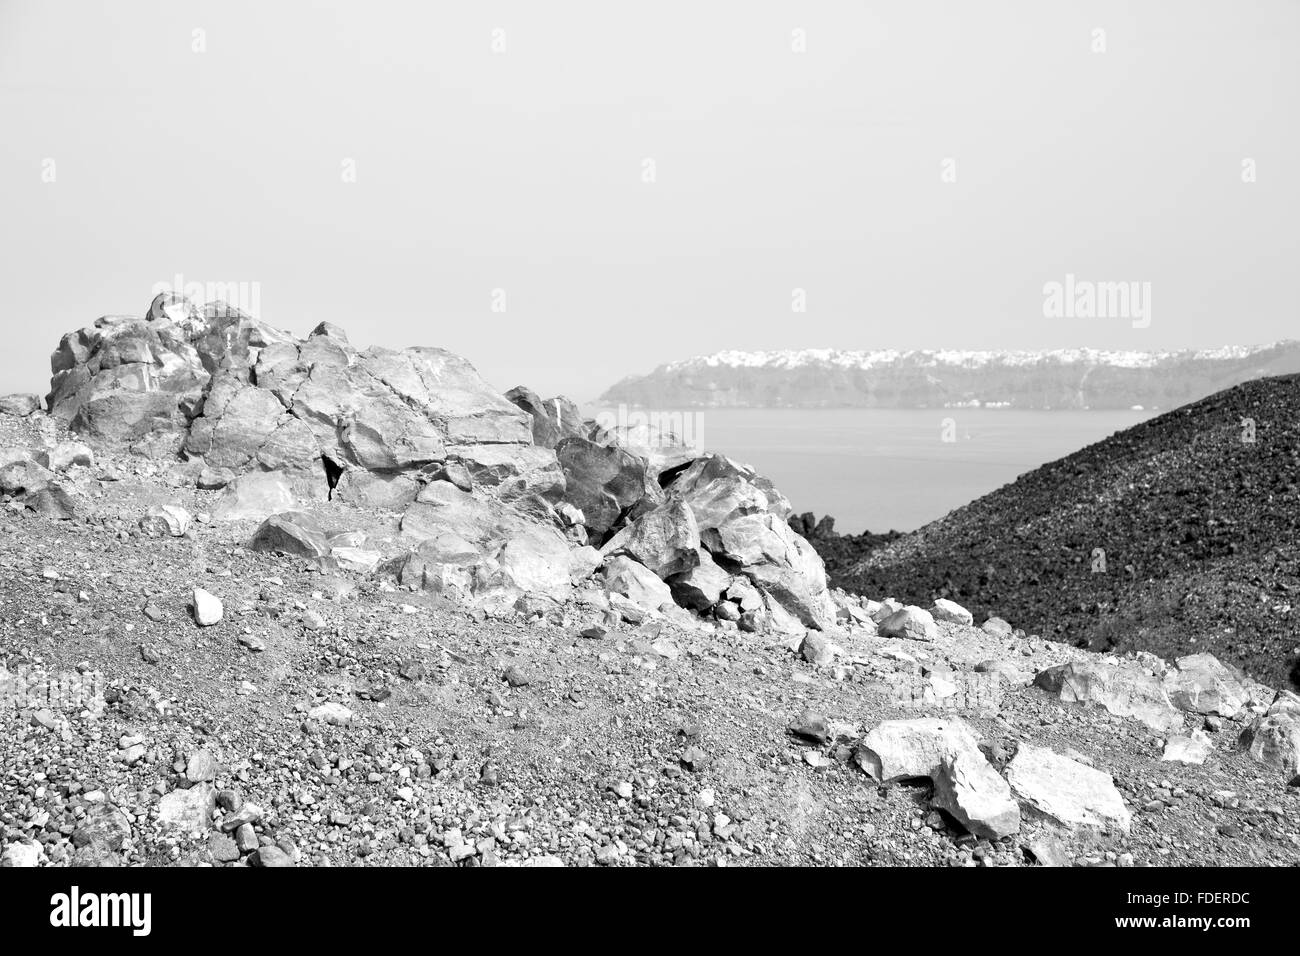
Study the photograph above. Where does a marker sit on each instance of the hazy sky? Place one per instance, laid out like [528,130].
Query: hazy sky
[523,170]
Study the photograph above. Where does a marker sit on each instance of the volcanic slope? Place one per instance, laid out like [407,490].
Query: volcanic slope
[1175,536]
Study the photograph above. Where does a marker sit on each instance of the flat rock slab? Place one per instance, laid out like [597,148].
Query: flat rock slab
[188,810]
[1065,791]
[907,749]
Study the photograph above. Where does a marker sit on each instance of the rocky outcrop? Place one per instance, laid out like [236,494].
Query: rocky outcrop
[498,495]
[1121,689]
[247,396]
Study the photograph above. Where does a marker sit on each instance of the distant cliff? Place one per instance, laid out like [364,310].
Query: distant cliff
[1057,379]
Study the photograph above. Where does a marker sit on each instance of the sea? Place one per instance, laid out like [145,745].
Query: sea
[882,469]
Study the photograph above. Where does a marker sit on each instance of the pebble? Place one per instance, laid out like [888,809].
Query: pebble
[208,609]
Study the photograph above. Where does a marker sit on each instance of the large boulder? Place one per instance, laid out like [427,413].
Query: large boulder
[552,420]
[717,502]
[637,583]
[702,586]
[661,449]
[1065,791]
[604,481]
[782,565]
[909,749]
[741,520]
[126,377]
[1274,740]
[23,477]
[1203,685]
[708,468]
[243,426]
[974,794]
[1121,689]
[482,548]
[665,540]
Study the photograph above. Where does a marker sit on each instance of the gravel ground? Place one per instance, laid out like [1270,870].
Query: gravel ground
[331,719]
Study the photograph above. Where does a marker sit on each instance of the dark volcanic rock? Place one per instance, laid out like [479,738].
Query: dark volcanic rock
[553,420]
[1180,528]
[604,481]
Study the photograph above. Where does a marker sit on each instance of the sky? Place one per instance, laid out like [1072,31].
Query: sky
[571,192]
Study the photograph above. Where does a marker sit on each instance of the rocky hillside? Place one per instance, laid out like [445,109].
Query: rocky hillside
[503,499]
[392,618]
[1179,534]
[892,378]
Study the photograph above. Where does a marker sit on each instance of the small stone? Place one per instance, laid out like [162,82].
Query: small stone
[816,650]
[246,838]
[207,608]
[21,855]
[1194,748]
[271,856]
[810,726]
[607,855]
[201,767]
[187,810]
[334,714]
[249,813]
[222,848]
[463,852]
[694,758]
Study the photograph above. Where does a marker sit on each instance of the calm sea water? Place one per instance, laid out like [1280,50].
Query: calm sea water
[876,469]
